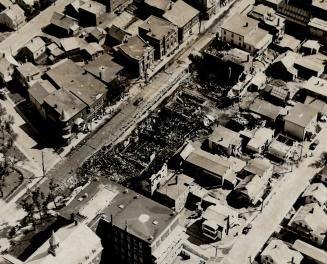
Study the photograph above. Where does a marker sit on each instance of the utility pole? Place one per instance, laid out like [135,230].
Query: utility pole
[43,166]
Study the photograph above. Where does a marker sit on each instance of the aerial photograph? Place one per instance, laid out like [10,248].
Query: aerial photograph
[163,131]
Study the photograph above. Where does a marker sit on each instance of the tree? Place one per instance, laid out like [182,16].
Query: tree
[7,139]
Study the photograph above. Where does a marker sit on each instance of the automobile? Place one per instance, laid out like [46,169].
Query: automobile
[246,229]
[138,101]
[314,144]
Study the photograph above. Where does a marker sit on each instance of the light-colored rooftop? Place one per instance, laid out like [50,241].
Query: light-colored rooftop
[75,243]
[280,253]
[240,24]
[318,24]
[28,69]
[261,136]
[157,27]
[94,7]
[301,114]
[225,137]
[209,162]
[35,44]
[176,186]
[40,90]
[318,191]
[310,251]
[317,86]
[135,47]
[265,109]
[180,13]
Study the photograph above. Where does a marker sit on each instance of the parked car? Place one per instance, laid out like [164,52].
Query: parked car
[314,144]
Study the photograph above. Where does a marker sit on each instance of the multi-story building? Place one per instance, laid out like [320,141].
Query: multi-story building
[139,230]
[34,50]
[187,23]
[113,5]
[12,17]
[90,13]
[244,32]
[138,55]
[161,34]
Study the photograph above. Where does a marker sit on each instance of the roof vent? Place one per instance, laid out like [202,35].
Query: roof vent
[125,191]
[136,196]
[150,238]
[155,222]
[246,24]
[121,206]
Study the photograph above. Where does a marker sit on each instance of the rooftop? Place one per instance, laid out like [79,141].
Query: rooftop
[104,68]
[310,63]
[290,42]
[280,253]
[157,27]
[261,136]
[28,69]
[310,251]
[73,78]
[135,47]
[318,191]
[312,216]
[69,44]
[176,186]
[35,44]
[317,86]
[240,24]
[94,7]
[258,166]
[40,90]
[318,23]
[14,12]
[93,48]
[159,4]
[118,34]
[64,102]
[265,109]
[321,4]
[63,21]
[225,137]
[75,243]
[180,13]
[301,114]
[208,161]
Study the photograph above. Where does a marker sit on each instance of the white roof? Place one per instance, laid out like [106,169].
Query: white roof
[316,85]
[310,251]
[261,136]
[75,243]
[318,191]
[280,253]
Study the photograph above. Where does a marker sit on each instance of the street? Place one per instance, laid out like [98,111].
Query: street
[284,196]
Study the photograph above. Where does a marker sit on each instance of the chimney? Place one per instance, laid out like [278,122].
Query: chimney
[278,22]
[170,6]
[246,24]
[72,217]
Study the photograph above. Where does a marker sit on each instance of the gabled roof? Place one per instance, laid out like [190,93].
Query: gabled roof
[280,253]
[265,109]
[180,13]
[212,163]
[118,34]
[63,21]
[69,44]
[14,12]
[93,48]
[76,243]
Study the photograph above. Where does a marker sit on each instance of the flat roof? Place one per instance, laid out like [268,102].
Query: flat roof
[321,4]
[35,44]
[310,251]
[143,217]
[157,27]
[281,253]
[240,24]
[40,90]
[316,85]
[301,114]
[104,68]
[64,103]
[135,47]
[225,137]
[180,13]
[176,186]
[28,69]
[94,7]
[70,76]
[289,41]
[318,23]
[208,161]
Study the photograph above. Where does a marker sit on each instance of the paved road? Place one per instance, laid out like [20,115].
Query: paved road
[291,187]
[31,29]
